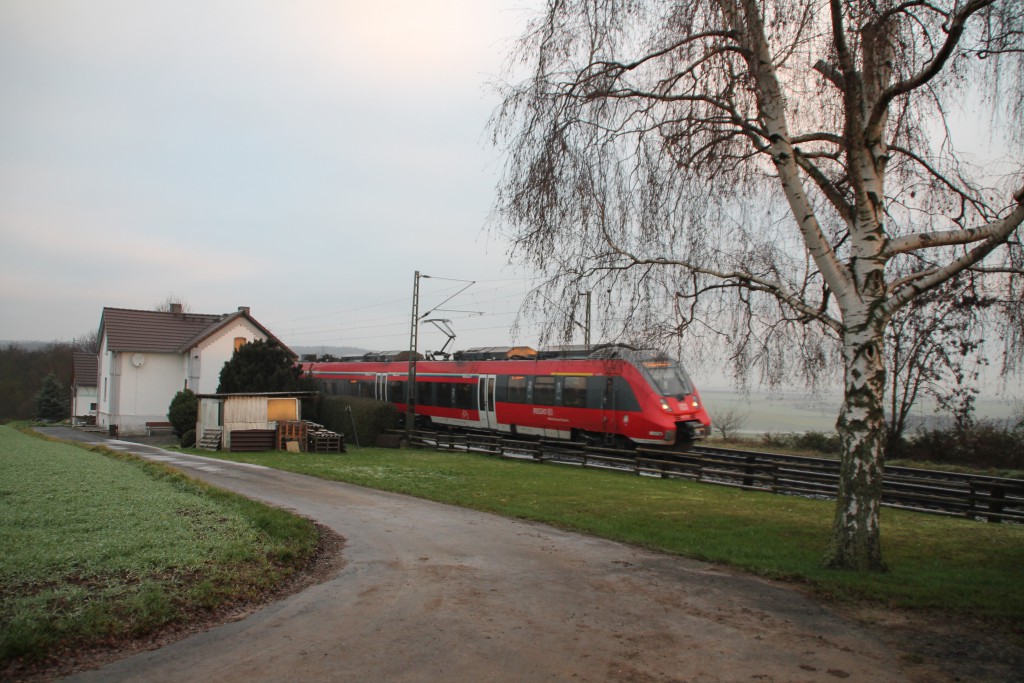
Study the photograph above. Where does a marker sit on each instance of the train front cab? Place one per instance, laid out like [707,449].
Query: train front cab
[677,405]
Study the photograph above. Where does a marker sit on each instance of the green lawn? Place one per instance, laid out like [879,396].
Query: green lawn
[961,566]
[98,546]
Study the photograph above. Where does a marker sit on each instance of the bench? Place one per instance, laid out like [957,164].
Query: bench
[154,428]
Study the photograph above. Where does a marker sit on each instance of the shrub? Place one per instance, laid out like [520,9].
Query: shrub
[984,444]
[775,440]
[183,412]
[728,423]
[371,417]
[188,439]
[819,442]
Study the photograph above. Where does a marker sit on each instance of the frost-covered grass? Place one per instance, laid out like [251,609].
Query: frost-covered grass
[98,545]
[963,567]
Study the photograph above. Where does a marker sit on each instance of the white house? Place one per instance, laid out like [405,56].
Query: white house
[83,388]
[146,357]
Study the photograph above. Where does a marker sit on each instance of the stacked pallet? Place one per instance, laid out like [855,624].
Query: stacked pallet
[308,437]
[292,431]
[323,440]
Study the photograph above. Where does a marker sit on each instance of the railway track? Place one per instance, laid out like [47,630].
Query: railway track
[978,497]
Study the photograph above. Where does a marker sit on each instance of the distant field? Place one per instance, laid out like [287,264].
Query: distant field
[798,412]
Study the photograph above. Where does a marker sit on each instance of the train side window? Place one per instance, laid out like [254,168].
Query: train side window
[366,388]
[574,392]
[396,391]
[517,389]
[544,391]
[443,395]
[465,397]
[425,393]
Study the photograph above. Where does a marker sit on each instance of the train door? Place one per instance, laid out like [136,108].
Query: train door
[486,401]
[382,386]
[609,416]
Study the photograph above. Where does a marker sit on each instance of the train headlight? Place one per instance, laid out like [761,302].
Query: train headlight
[665,406]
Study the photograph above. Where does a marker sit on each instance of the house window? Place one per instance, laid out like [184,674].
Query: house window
[104,388]
[239,341]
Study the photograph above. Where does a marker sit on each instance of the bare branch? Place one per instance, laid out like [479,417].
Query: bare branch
[954,31]
[995,231]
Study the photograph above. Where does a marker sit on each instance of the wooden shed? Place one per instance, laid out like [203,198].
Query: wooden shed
[248,421]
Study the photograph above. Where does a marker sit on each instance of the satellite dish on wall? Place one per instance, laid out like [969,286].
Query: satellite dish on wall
[138,359]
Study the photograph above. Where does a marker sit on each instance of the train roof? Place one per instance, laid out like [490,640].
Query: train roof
[496,353]
[487,353]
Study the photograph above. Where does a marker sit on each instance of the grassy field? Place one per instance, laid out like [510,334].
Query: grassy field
[98,547]
[963,567]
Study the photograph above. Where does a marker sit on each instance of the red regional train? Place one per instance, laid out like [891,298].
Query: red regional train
[612,394]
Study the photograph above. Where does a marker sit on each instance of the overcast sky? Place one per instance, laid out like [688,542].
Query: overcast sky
[303,158]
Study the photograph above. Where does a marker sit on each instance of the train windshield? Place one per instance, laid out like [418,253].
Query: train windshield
[667,377]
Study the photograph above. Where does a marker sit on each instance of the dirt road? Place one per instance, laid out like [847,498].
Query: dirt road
[431,593]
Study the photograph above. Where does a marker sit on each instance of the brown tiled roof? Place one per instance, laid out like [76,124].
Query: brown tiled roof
[86,369]
[152,331]
[224,322]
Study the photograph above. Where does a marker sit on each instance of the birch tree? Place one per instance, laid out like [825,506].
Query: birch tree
[772,178]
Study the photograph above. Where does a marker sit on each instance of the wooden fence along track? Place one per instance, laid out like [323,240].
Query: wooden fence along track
[994,499]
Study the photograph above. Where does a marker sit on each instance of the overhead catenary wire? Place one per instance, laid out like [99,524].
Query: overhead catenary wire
[382,329]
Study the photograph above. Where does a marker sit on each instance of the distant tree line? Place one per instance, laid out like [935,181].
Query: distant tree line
[22,375]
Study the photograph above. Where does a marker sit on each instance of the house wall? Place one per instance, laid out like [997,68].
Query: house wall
[146,391]
[105,402]
[82,400]
[130,395]
[205,361]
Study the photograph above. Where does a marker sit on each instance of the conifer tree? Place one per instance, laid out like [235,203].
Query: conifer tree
[52,400]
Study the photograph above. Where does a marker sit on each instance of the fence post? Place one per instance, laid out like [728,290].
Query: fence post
[748,470]
[997,496]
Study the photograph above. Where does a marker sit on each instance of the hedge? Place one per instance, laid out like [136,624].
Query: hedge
[370,417]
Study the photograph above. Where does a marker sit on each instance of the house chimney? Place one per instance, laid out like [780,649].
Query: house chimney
[243,309]
[176,308]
